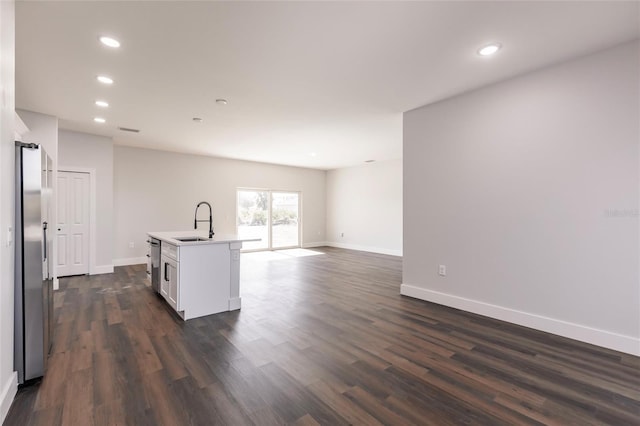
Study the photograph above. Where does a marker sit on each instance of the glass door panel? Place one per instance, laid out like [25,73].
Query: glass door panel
[285,227]
[253,218]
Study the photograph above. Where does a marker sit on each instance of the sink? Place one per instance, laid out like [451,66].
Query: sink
[190,239]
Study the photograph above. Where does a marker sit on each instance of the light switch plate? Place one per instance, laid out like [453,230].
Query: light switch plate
[442,270]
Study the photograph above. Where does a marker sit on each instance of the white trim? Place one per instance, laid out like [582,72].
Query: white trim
[92,213]
[607,339]
[103,269]
[365,248]
[9,391]
[56,283]
[315,244]
[234,303]
[129,261]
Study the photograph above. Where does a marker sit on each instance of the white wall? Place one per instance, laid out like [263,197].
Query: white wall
[84,151]
[528,191]
[158,191]
[365,204]
[43,130]
[8,378]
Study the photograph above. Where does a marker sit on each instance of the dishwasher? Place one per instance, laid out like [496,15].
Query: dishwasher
[155,264]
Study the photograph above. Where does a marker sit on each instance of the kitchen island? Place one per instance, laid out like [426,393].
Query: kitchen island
[199,276]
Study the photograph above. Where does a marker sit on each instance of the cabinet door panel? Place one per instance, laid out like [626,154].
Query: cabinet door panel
[165,277]
[173,286]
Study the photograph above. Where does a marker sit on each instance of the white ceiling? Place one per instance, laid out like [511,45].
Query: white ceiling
[328,78]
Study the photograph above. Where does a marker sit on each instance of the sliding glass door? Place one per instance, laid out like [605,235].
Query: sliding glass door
[253,218]
[284,219]
[272,216]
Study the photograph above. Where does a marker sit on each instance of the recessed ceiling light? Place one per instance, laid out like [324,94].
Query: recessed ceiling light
[99,120]
[221,101]
[489,49]
[108,41]
[197,119]
[104,79]
[313,154]
[102,104]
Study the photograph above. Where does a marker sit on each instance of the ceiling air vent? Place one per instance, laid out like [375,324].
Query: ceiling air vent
[127,129]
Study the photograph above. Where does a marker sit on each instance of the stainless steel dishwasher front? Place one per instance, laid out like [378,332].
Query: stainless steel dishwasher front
[155,264]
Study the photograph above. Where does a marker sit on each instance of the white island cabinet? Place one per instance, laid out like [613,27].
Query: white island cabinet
[199,277]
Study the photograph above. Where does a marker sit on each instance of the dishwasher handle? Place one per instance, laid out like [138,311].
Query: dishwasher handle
[44,236]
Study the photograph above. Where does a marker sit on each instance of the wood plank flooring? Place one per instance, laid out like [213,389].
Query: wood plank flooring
[323,339]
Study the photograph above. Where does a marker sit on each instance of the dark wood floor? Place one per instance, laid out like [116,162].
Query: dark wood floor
[323,339]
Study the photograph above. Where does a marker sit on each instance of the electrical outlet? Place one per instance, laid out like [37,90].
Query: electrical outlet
[442,270]
[132,244]
[342,234]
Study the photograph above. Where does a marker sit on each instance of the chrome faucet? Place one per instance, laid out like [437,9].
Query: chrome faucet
[195,218]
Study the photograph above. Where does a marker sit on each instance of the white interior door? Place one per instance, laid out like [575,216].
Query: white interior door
[72,236]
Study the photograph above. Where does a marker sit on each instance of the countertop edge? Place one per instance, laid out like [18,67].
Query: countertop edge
[169,237]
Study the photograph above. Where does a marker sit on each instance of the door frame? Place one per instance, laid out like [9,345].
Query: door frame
[92,214]
[269,225]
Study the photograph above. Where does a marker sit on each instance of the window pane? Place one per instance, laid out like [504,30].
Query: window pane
[284,216]
[253,218]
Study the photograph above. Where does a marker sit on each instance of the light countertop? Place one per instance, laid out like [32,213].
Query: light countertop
[170,237]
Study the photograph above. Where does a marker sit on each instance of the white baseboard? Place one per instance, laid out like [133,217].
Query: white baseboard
[9,391]
[56,284]
[607,339]
[103,269]
[235,303]
[316,244]
[130,261]
[365,248]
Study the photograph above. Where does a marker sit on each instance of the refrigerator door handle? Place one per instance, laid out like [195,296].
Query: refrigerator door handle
[44,232]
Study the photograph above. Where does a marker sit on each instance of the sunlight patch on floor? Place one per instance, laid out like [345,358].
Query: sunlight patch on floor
[281,254]
[300,252]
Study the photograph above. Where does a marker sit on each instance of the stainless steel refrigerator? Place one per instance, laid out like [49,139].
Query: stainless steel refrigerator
[33,264]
